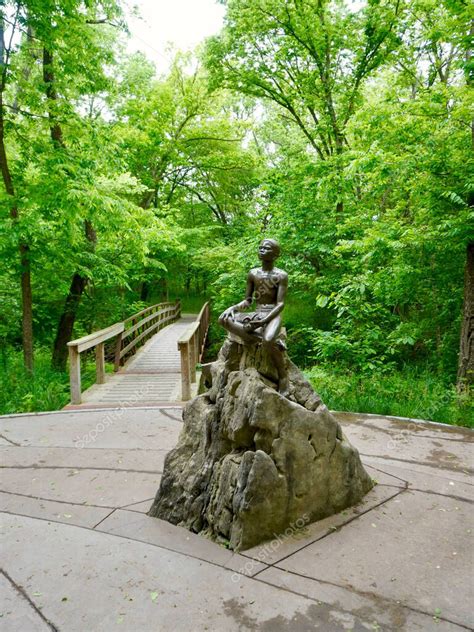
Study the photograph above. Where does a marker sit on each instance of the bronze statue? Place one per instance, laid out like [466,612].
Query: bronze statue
[268,285]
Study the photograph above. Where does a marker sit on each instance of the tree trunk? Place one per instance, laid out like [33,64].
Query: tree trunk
[71,305]
[188,280]
[24,251]
[66,322]
[27,308]
[466,348]
[51,94]
[465,377]
[78,282]
[165,292]
[145,291]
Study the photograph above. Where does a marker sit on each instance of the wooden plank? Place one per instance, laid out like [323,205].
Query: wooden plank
[75,375]
[197,347]
[99,364]
[204,310]
[191,345]
[192,357]
[185,376]
[203,317]
[189,333]
[118,347]
[86,342]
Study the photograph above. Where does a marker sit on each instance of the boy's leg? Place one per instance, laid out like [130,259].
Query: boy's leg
[277,354]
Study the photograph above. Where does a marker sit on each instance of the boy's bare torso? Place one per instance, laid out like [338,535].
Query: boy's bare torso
[266,285]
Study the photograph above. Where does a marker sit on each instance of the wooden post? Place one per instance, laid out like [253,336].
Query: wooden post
[185,371]
[118,349]
[75,375]
[99,363]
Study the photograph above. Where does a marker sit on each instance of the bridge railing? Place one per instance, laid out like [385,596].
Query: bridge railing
[143,325]
[191,348]
[76,347]
[129,334]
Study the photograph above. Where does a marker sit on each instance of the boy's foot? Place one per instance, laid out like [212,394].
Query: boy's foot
[284,387]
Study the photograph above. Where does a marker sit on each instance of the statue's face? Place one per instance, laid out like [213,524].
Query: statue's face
[267,251]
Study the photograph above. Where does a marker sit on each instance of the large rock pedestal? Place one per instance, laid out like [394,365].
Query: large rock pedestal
[250,463]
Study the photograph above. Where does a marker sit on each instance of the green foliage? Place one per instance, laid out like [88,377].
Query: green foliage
[311,58]
[44,390]
[415,393]
[375,234]
[344,132]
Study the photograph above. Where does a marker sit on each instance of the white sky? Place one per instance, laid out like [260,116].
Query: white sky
[182,23]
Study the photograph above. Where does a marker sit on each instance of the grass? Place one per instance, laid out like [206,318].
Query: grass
[410,392]
[415,393]
[46,389]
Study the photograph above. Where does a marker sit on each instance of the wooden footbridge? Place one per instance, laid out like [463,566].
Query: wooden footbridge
[154,353]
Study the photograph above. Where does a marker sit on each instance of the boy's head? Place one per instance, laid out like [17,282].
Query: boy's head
[269,249]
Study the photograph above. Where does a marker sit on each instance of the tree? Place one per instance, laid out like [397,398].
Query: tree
[60,154]
[22,245]
[386,274]
[310,57]
[185,145]
[466,351]
[465,374]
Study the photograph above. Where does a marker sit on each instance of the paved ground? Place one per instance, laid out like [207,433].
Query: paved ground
[79,553]
[153,375]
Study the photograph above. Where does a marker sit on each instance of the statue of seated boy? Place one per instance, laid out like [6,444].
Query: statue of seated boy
[268,285]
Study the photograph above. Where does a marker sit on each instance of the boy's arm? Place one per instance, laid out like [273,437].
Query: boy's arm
[248,293]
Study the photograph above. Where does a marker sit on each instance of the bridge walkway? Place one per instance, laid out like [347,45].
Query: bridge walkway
[150,377]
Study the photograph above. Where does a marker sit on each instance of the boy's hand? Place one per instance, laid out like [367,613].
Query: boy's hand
[228,313]
[256,322]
